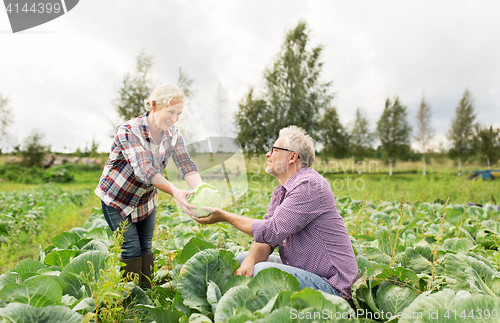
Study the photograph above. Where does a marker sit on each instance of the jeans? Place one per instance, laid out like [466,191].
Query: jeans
[138,235]
[305,278]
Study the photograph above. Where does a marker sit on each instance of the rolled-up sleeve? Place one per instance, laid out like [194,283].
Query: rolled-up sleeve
[182,159]
[299,208]
[137,156]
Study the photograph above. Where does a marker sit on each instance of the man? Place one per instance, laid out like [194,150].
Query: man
[302,220]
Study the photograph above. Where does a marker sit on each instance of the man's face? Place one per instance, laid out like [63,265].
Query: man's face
[277,162]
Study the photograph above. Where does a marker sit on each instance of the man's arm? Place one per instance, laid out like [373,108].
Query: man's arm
[258,252]
[239,222]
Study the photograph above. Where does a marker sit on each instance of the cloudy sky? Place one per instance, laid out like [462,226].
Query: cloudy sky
[62,76]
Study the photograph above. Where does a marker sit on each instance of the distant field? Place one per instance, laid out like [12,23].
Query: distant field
[374,183]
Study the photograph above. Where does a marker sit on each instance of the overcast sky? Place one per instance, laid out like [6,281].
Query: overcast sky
[61,77]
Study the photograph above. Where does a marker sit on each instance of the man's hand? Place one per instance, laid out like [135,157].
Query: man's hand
[180,196]
[216,215]
[246,269]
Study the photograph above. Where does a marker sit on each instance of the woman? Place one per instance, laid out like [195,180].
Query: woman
[134,171]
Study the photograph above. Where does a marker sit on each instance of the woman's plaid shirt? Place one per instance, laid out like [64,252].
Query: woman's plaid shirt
[125,182]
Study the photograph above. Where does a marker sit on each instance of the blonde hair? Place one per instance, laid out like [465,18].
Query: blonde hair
[164,94]
[296,139]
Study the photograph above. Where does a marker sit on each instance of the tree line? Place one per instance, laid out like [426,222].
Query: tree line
[294,94]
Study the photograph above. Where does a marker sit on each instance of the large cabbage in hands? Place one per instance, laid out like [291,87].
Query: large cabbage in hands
[204,195]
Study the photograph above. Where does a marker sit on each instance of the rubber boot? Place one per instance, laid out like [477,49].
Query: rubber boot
[133,266]
[147,271]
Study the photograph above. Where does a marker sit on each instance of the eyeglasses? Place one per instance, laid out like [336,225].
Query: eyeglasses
[279,148]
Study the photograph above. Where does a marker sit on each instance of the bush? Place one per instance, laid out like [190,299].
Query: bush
[34,175]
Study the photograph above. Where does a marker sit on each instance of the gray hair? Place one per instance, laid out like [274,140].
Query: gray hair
[164,94]
[298,140]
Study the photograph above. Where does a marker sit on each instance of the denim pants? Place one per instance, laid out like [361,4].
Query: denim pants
[138,235]
[305,278]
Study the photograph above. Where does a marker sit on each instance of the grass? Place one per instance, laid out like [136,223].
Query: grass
[60,219]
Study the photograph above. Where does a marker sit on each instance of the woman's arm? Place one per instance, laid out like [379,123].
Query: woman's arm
[193,179]
[180,196]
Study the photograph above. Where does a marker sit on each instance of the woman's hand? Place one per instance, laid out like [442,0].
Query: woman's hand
[181,197]
[216,215]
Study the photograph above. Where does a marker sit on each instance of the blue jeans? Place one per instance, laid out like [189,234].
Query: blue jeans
[138,235]
[305,278]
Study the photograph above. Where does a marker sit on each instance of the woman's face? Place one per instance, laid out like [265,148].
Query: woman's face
[167,116]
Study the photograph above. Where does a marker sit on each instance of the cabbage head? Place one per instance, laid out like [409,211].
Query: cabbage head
[204,195]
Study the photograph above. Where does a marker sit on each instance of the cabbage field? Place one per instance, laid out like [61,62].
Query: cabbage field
[426,262]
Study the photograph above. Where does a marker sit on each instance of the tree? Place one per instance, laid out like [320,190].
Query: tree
[487,142]
[221,109]
[461,133]
[333,135]
[254,127]
[361,138]
[293,92]
[34,151]
[5,120]
[190,123]
[185,83]
[425,131]
[136,87]
[394,131]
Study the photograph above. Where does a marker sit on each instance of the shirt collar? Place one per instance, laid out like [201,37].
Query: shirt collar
[290,183]
[143,124]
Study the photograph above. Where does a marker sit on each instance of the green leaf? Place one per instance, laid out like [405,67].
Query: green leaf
[476,283]
[458,244]
[260,290]
[455,266]
[236,281]
[269,282]
[194,246]
[213,295]
[239,296]
[93,245]
[65,239]
[416,260]
[38,291]
[103,234]
[207,265]
[17,312]
[282,315]
[318,299]
[241,317]
[80,243]
[199,318]
[161,315]
[85,306]
[60,257]
[28,266]
[395,299]
[79,267]
[426,302]
[481,302]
